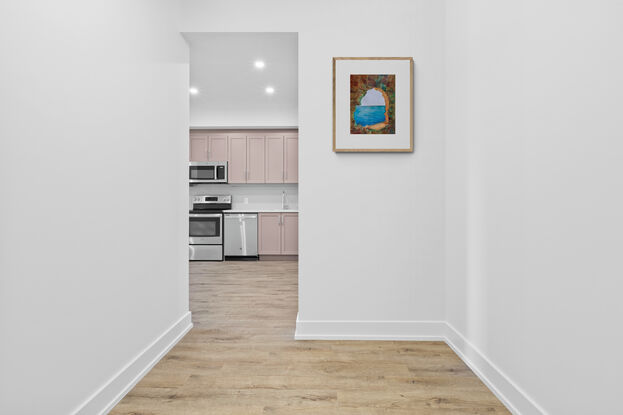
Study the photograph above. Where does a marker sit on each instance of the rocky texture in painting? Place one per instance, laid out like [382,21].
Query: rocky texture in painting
[372,104]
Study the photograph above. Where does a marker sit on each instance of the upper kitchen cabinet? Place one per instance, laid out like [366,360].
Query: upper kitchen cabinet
[237,166]
[254,156]
[198,147]
[291,158]
[274,159]
[207,147]
[282,158]
[256,159]
[217,147]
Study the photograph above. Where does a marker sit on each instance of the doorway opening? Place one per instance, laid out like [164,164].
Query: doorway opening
[243,183]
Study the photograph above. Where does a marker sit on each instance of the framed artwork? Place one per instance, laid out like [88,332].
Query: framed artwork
[373,104]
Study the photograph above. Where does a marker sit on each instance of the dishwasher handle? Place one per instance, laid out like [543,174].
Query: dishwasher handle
[242,215]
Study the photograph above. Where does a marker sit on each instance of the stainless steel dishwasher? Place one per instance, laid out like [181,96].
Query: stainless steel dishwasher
[241,235]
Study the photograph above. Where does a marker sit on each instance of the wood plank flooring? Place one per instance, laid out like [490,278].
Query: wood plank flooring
[241,358]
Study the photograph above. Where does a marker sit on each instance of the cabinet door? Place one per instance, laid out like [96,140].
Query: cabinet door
[217,148]
[255,159]
[274,159]
[290,233]
[269,230]
[237,167]
[291,158]
[198,147]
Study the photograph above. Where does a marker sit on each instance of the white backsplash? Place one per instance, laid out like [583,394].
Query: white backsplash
[251,196]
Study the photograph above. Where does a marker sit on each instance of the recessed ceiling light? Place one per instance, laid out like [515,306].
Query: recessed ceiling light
[193,91]
[259,64]
[270,90]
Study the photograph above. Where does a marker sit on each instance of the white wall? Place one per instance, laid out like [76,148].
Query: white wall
[93,105]
[371,225]
[527,95]
[533,195]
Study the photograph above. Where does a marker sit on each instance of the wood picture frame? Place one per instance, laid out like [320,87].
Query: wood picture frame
[385,75]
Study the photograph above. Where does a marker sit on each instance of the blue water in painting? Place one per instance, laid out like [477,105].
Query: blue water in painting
[369,114]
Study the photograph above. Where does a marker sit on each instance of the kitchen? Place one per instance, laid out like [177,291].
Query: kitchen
[243,142]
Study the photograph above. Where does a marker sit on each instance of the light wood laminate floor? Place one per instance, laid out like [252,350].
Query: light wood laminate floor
[241,358]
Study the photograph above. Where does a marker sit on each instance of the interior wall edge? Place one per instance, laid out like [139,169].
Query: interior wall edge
[516,400]
[109,394]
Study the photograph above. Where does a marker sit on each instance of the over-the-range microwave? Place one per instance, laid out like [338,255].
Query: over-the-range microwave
[207,172]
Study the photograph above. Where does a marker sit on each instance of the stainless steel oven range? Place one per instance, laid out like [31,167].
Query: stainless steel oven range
[205,236]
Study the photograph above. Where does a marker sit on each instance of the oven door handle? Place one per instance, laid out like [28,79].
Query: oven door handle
[205,215]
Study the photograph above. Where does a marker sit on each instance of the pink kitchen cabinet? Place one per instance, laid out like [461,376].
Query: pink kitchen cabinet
[289,233]
[291,158]
[274,159]
[198,147]
[278,234]
[217,147]
[255,159]
[269,234]
[237,166]
[254,156]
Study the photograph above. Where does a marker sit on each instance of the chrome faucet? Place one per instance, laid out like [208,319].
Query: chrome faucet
[284,200]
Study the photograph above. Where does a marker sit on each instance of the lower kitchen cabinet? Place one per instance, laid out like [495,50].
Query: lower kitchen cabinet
[289,233]
[278,234]
[269,234]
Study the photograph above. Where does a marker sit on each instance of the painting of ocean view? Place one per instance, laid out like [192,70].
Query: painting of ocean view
[372,104]
[379,117]
[369,114]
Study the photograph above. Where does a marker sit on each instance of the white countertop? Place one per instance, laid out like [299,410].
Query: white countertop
[259,210]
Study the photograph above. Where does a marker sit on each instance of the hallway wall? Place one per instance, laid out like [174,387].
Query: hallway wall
[371,225]
[93,274]
[533,196]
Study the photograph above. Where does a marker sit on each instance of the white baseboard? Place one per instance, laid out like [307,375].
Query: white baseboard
[508,392]
[511,395]
[369,330]
[106,397]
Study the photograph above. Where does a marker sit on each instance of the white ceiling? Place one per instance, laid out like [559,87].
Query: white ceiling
[232,90]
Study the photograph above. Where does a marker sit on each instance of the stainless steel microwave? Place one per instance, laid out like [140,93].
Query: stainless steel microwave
[207,172]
